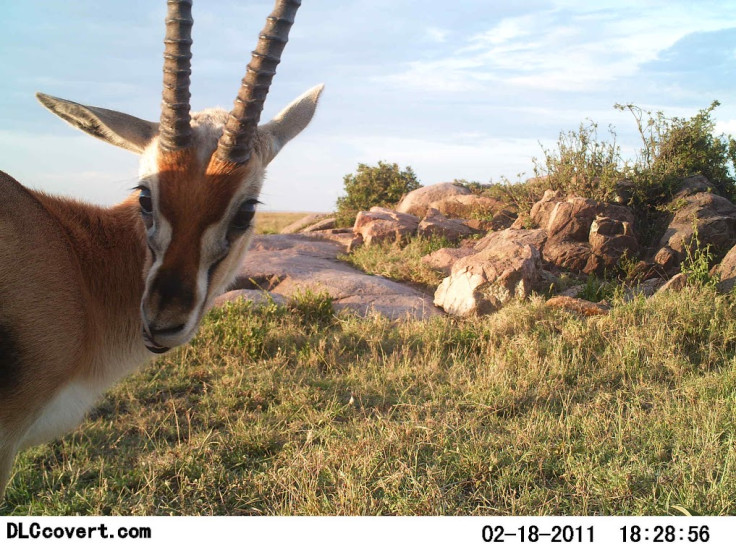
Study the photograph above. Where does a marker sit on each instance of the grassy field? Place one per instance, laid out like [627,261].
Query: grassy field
[270,222]
[293,410]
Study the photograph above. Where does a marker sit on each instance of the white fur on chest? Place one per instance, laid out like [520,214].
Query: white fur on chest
[62,414]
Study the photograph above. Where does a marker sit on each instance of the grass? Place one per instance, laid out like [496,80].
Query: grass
[270,222]
[294,410]
[401,262]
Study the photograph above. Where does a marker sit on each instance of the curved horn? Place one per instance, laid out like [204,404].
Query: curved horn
[175,131]
[240,130]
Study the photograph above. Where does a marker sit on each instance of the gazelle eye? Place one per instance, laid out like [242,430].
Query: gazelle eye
[242,219]
[145,201]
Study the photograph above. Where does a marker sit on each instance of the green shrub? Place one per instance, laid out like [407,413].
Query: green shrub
[582,164]
[672,149]
[383,185]
[675,148]
[696,265]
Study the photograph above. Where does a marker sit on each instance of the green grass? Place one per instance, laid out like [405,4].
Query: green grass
[400,262]
[294,410]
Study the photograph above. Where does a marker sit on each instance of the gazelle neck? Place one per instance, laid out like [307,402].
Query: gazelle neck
[109,247]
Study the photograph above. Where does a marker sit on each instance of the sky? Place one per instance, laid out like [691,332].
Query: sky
[469,89]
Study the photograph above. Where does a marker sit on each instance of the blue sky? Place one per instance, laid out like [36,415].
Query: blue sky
[464,89]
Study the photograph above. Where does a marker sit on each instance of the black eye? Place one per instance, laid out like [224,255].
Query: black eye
[145,200]
[243,217]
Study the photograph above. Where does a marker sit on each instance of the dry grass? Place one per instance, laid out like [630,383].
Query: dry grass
[290,410]
[271,222]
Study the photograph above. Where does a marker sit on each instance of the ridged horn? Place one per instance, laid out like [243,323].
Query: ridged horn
[237,139]
[175,131]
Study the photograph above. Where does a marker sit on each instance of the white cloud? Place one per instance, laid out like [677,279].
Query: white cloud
[436,34]
[726,127]
[569,48]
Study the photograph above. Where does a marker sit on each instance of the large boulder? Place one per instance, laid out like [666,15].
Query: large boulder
[712,216]
[438,225]
[418,201]
[485,281]
[534,237]
[584,235]
[443,259]
[287,265]
[381,224]
[609,240]
[726,271]
[542,209]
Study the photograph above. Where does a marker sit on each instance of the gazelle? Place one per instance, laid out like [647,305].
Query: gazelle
[87,294]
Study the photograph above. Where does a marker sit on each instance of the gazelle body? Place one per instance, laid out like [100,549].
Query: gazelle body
[87,294]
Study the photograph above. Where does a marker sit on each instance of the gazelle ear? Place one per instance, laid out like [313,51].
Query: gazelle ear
[118,129]
[290,122]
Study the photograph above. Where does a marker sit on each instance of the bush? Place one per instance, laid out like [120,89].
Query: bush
[582,164]
[675,148]
[383,185]
[672,149]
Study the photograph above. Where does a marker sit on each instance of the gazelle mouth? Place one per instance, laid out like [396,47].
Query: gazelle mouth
[152,346]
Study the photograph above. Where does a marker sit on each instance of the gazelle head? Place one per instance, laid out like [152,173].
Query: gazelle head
[200,174]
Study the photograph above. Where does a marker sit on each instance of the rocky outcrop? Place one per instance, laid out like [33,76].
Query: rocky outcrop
[712,216]
[381,224]
[443,259]
[726,272]
[507,268]
[418,201]
[286,265]
[584,235]
[438,225]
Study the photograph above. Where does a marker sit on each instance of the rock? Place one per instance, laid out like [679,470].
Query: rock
[666,259]
[570,255]
[324,224]
[418,201]
[542,209]
[572,291]
[583,235]
[713,216]
[487,280]
[436,224]
[580,306]
[647,288]
[676,283]
[535,238]
[480,226]
[344,236]
[570,220]
[255,296]
[609,239]
[287,264]
[726,272]
[504,219]
[303,222]
[443,259]
[381,224]
[693,185]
